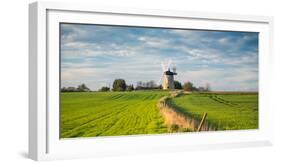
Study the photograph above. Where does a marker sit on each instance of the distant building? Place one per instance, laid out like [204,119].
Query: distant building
[168,79]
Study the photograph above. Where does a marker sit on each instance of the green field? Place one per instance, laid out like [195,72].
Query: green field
[110,113]
[225,111]
[91,114]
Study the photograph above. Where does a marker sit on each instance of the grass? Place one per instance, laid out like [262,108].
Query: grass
[110,113]
[92,114]
[230,111]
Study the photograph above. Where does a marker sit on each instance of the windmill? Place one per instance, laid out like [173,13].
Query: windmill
[167,77]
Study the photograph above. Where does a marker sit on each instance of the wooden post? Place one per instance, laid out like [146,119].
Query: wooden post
[202,122]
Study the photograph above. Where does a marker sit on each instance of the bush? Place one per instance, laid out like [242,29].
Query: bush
[104,89]
[82,88]
[130,88]
[188,86]
[119,85]
[174,128]
[177,85]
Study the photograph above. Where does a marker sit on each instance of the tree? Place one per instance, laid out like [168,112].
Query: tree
[104,89]
[119,85]
[151,84]
[69,89]
[146,85]
[177,85]
[188,86]
[139,84]
[63,89]
[80,88]
[83,88]
[130,87]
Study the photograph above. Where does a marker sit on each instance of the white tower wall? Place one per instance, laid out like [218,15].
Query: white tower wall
[168,82]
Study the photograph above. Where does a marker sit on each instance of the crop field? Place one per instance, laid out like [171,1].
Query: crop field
[92,114]
[225,111]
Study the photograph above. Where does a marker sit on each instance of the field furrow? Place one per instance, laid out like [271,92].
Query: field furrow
[110,113]
[225,111]
[91,114]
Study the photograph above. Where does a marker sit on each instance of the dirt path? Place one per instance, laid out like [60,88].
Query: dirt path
[175,120]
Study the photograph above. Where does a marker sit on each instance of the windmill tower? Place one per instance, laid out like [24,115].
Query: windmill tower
[168,76]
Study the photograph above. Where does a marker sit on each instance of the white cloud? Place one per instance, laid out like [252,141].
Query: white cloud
[222,79]
[223,40]
[74,74]
[138,57]
[155,42]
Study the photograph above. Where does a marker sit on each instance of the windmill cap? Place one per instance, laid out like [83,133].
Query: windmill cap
[170,73]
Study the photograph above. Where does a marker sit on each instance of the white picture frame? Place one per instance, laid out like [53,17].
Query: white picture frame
[44,141]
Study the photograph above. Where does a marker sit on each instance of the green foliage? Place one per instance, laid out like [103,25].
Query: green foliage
[68,89]
[188,86]
[130,88]
[80,88]
[104,89]
[119,85]
[174,128]
[225,111]
[177,85]
[149,85]
[92,114]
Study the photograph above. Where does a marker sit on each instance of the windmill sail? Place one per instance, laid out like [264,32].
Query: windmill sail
[167,76]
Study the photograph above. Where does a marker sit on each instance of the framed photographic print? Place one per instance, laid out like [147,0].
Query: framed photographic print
[109,81]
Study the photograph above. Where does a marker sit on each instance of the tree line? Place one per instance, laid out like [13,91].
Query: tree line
[79,88]
[188,86]
[120,85]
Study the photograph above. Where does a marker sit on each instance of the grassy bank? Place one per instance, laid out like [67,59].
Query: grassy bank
[226,111]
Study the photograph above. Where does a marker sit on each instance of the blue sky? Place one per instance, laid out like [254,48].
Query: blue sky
[96,55]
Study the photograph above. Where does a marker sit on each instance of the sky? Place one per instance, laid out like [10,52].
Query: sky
[98,54]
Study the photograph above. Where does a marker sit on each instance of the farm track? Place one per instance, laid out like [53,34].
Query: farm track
[176,119]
